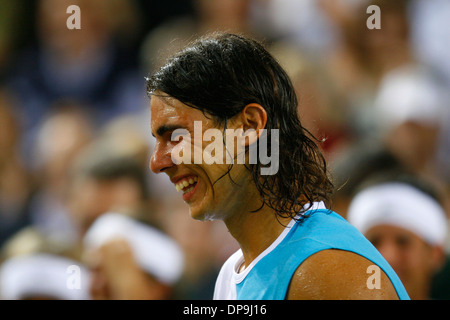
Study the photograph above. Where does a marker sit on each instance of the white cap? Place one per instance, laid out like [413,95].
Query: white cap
[409,94]
[401,205]
[44,275]
[155,252]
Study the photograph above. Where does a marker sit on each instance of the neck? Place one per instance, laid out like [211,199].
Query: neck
[255,231]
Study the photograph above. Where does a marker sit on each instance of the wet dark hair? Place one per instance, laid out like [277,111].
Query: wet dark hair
[220,74]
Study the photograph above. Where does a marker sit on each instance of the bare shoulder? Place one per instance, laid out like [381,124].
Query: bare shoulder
[340,275]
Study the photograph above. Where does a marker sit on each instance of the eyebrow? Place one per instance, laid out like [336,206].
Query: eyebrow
[166,128]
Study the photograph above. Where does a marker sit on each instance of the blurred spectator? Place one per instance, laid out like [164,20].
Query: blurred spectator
[405,221]
[363,56]
[411,109]
[31,240]
[320,108]
[127,136]
[105,174]
[131,260]
[208,16]
[60,138]
[356,165]
[302,23]
[110,175]
[87,64]
[43,276]
[430,29]
[103,181]
[16,183]
[130,137]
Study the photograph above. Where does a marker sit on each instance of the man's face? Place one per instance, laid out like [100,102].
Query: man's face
[208,196]
[410,256]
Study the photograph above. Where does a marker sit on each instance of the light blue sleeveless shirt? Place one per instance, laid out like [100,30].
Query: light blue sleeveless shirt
[269,277]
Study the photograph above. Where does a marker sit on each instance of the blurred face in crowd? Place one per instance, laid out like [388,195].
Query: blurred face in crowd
[90,198]
[414,260]
[117,276]
[414,144]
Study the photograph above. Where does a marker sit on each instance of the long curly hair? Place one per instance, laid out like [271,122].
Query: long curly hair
[220,74]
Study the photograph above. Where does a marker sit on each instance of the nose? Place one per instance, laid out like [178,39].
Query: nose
[160,159]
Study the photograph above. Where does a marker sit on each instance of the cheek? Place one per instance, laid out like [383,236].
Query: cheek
[231,186]
[217,178]
[418,259]
[219,189]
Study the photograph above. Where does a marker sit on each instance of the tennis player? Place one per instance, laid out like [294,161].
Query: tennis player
[291,245]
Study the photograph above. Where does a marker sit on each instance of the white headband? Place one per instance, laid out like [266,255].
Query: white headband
[409,94]
[35,275]
[155,252]
[401,205]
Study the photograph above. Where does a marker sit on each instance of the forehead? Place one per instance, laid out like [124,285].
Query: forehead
[168,111]
[392,232]
[163,108]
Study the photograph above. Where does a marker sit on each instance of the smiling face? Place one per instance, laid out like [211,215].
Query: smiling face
[206,188]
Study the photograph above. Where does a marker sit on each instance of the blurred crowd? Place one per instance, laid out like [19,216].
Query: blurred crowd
[75,138]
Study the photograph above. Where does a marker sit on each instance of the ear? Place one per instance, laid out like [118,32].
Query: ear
[254,120]
[437,257]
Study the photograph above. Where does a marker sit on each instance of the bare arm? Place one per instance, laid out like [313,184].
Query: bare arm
[338,275]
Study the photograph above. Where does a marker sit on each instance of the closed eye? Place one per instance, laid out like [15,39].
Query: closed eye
[164,129]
